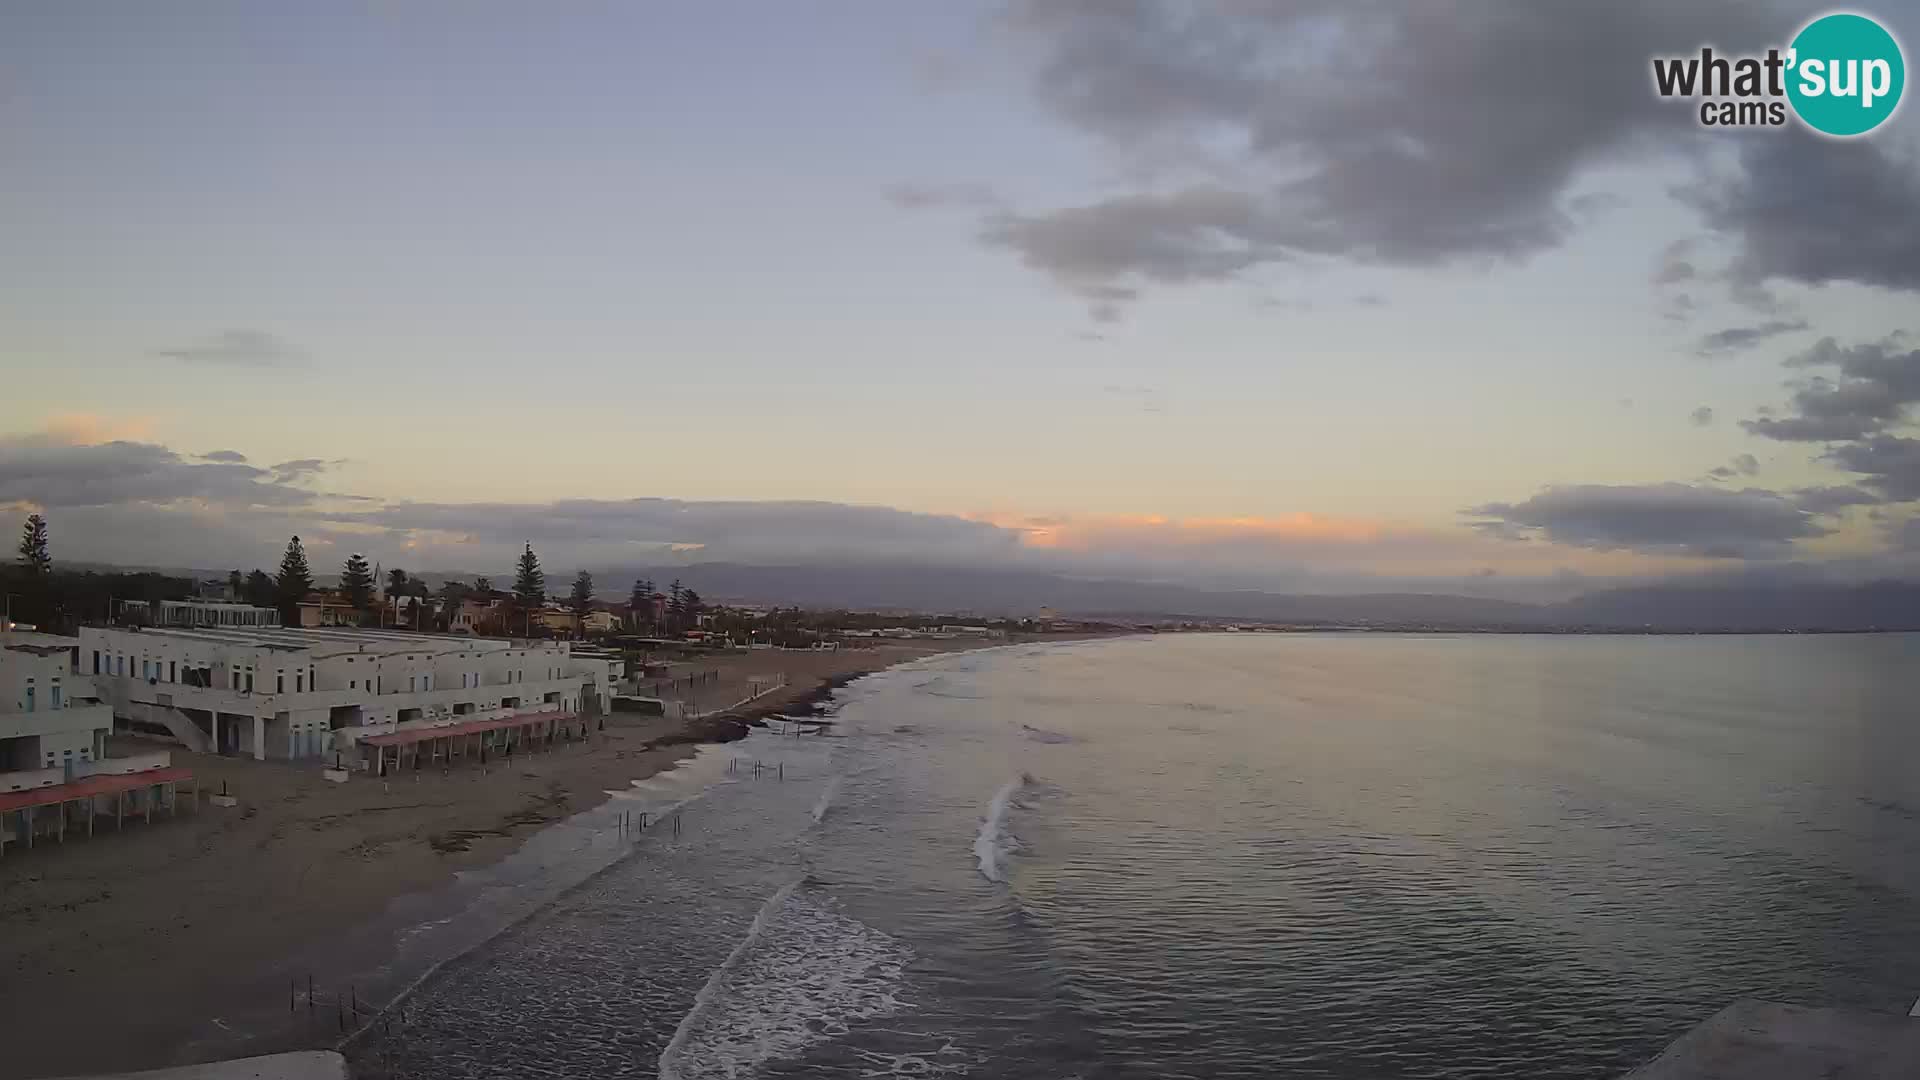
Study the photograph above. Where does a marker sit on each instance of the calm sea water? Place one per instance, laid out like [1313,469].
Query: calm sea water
[1236,855]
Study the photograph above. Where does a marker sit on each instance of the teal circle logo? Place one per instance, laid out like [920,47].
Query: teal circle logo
[1846,74]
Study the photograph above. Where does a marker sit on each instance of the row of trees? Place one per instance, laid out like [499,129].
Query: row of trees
[37,594]
[682,609]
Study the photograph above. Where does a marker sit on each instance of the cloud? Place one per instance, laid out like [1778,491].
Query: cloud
[1832,499]
[1741,465]
[231,457]
[745,531]
[1875,385]
[1904,535]
[1739,338]
[1147,398]
[1657,519]
[35,472]
[928,196]
[288,472]
[1365,130]
[1890,464]
[1817,211]
[1701,417]
[82,429]
[239,348]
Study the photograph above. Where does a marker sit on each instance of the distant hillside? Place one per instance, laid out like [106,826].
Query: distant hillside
[1888,605]
[1024,593]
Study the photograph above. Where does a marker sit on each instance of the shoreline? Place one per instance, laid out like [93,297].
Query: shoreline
[206,907]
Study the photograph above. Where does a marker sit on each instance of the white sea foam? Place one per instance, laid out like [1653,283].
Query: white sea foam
[802,976]
[702,1001]
[826,798]
[993,843]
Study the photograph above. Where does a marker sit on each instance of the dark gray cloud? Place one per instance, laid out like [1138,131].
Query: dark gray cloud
[31,471]
[749,531]
[1871,390]
[1904,535]
[1701,417]
[239,348]
[1668,519]
[1832,499]
[1364,129]
[230,457]
[1741,465]
[1817,211]
[288,472]
[1889,464]
[1740,338]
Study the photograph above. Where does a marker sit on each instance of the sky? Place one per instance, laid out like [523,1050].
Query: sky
[1314,296]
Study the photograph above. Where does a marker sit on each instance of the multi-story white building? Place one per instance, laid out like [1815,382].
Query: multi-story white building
[49,720]
[54,768]
[305,693]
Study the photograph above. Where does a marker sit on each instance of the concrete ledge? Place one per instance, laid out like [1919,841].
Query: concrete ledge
[302,1065]
[1761,1040]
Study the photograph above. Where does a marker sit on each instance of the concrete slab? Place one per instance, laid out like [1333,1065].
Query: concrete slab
[1761,1040]
[301,1065]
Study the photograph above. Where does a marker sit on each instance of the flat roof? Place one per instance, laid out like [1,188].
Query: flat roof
[470,727]
[335,641]
[89,786]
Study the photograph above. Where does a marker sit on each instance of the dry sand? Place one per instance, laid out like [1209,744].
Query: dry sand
[114,949]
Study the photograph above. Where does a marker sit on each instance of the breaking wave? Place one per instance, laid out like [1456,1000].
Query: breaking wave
[994,843]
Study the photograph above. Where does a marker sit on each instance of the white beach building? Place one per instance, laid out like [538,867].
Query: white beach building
[54,768]
[317,692]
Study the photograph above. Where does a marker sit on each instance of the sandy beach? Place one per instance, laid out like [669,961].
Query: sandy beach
[116,947]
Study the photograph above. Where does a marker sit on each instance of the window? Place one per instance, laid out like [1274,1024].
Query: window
[249,682]
[29,699]
[409,684]
[353,684]
[55,698]
[96,661]
[119,665]
[297,680]
[279,682]
[172,674]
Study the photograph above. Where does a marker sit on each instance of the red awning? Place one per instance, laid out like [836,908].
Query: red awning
[89,786]
[471,727]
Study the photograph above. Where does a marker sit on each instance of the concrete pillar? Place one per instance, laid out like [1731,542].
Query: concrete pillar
[259,738]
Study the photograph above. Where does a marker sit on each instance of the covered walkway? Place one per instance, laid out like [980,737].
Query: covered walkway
[422,747]
[21,815]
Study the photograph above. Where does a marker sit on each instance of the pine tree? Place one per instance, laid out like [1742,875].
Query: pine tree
[582,599]
[294,583]
[258,590]
[690,607]
[34,558]
[36,573]
[397,582]
[356,577]
[529,584]
[640,603]
[483,586]
[234,584]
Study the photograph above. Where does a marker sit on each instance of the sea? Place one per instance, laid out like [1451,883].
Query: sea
[1349,855]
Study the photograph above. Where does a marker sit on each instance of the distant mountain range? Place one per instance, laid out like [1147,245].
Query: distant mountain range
[1672,607]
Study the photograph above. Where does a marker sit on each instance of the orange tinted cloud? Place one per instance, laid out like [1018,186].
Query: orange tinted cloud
[91,429]
[1316,541]
[1087,533]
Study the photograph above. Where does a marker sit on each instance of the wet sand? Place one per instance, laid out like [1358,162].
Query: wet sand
[115,949]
